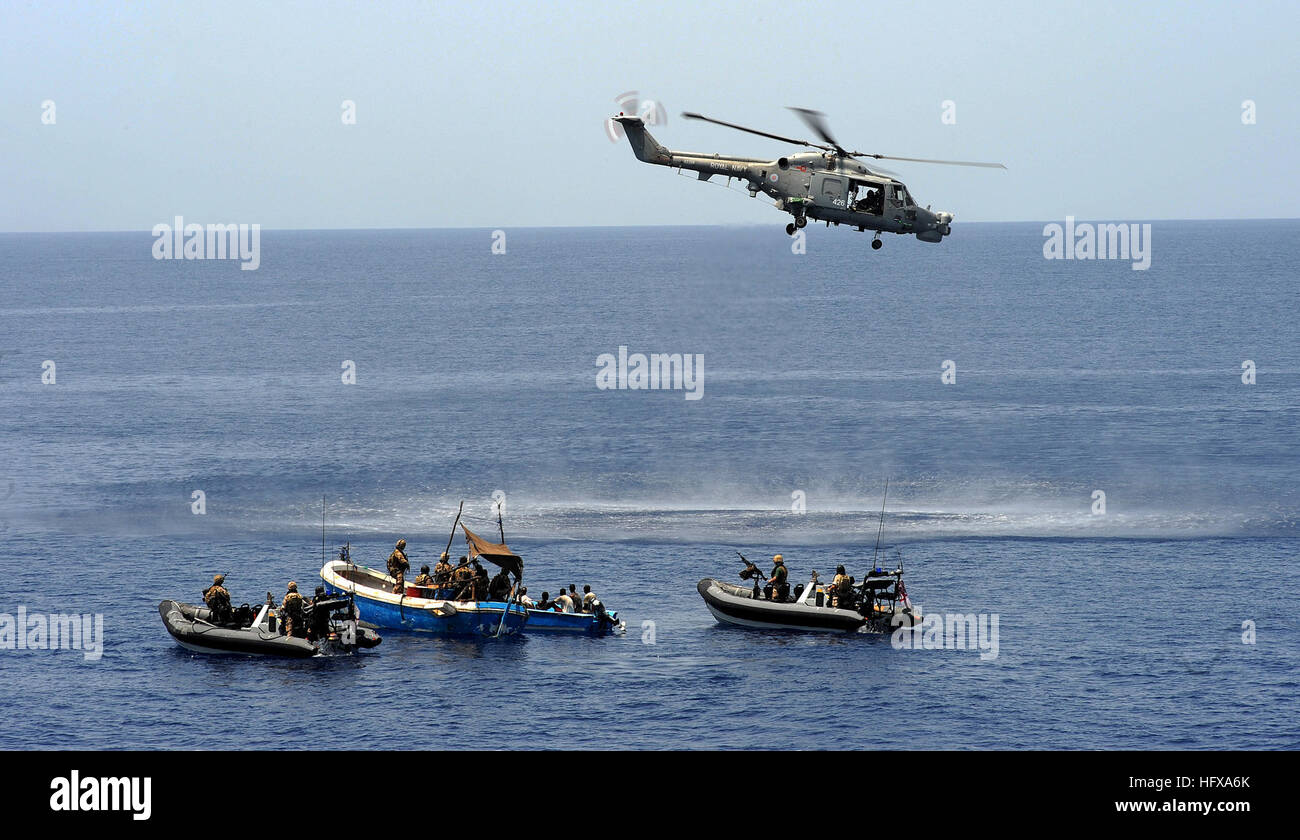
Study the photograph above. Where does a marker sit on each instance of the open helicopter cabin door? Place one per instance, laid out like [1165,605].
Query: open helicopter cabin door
[867,197]
[828,190]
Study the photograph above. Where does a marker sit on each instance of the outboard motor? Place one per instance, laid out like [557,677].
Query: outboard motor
[602,616]
[318,620]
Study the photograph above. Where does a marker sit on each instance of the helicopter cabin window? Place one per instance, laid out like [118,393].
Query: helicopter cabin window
[832,188]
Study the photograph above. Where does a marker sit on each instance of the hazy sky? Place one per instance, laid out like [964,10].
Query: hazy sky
[491,114]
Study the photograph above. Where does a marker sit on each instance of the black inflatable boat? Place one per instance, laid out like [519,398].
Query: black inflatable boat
[194,628]
[879,604]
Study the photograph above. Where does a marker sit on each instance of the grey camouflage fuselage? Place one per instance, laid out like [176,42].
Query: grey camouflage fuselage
[823,186]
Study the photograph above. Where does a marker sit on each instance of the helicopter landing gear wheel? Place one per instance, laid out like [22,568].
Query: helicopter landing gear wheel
[801,221]
[876,244]
[789,229]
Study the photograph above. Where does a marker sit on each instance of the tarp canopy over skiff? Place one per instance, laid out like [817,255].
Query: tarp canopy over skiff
[498,553]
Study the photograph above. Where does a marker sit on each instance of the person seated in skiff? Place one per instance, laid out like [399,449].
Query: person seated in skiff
[588,598]
[424,580]
[291,612]
[841,588]
[398,566]
[778,585]
[499,588]
[480,582]
[461,578]
[563,603]
[218,600]
[546,604]
[524,600]
[442,571]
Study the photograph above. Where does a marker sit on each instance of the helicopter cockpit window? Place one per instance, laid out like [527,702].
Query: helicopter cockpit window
[898,196]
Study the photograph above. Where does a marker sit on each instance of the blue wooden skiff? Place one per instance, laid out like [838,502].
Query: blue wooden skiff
[573,622]
[380,606]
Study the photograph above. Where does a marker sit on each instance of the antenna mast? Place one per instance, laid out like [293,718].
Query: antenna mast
[882,523]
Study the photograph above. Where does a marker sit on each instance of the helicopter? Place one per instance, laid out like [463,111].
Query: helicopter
[831,185]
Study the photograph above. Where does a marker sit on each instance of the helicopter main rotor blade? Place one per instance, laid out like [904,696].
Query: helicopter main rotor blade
[816,120]
[928,160]
[876,170]
[691,115]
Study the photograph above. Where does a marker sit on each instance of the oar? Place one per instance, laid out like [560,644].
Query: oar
[506,611]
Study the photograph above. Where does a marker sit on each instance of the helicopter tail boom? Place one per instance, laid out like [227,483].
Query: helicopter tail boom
[644,146]
[647,149]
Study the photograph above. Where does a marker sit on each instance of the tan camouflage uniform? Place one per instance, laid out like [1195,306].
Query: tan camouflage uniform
[291,613]
[217,598]
[398,566]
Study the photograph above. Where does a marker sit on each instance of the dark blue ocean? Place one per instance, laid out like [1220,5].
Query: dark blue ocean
[476,373]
